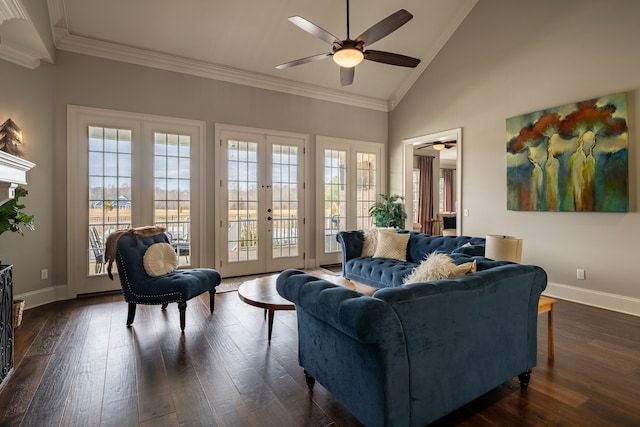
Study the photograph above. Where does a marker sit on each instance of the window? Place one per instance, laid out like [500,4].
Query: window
[172,189]
[109,165]
[335,200]
[129,170]
[366,188]
[348,183]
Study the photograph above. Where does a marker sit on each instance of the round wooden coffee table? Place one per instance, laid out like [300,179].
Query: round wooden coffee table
[262,293]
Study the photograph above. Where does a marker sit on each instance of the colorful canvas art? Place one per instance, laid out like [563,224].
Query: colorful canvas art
[571,158]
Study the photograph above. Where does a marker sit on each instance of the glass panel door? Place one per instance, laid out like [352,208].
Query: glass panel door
[242,200]
[172,190]
[335,197]
[285,201]
[109,178]
[366,188]
[348,184]
[262,185]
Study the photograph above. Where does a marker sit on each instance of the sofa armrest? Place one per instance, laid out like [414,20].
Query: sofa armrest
[361,317]
[351,243]
[353,345]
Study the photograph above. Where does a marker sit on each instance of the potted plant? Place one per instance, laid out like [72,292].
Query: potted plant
[12,218]
[388,211]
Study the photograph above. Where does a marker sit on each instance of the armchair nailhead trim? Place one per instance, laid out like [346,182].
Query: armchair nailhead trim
[176,295]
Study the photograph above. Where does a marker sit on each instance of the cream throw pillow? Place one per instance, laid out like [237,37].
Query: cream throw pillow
[392,245]
[438,266]
[159,259]
[370,242]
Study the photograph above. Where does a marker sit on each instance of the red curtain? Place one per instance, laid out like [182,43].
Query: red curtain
[425,193]
[449,190]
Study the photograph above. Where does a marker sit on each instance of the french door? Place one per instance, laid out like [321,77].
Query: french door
[349,177]
[261,202]
[128,170]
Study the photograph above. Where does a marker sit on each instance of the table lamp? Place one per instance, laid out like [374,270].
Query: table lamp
[503,248]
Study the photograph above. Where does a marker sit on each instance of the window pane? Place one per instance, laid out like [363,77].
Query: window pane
[109,179]
[366,188]
[242,200]
[171,195]
[284,200]
[335,207]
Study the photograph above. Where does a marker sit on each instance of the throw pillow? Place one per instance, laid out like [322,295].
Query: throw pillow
[159,259]
[392,245]
[370,242]
[438,266]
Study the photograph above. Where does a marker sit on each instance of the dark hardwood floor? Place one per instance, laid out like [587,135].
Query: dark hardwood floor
[77,364]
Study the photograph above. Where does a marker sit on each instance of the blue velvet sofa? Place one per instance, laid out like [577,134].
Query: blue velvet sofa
[410,354]
[386,272]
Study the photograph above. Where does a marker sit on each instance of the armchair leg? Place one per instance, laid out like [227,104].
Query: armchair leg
[212,293]
[182,306]
[132,313]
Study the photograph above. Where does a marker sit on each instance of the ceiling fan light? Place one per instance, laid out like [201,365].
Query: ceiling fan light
[348,57]
[438,146]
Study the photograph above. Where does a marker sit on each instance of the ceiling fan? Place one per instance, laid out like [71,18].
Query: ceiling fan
[349,53]
[438,145]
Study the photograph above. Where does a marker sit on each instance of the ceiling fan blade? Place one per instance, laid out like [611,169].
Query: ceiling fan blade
[346,75]
[385,27]
[303,61]
[391,58]
[314,30]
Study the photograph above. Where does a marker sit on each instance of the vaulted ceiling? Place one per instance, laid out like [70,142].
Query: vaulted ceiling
[242,41]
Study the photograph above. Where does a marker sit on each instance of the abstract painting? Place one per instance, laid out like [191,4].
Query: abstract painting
[572,158]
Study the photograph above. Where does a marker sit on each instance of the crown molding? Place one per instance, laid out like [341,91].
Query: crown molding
[19,57]
[12,9]
[83,45]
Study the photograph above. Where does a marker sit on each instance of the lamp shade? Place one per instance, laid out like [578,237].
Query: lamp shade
[503,248]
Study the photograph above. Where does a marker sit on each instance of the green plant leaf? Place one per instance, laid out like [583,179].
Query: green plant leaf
[11,216]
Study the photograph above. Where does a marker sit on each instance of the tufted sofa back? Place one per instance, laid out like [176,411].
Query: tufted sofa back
[420,245]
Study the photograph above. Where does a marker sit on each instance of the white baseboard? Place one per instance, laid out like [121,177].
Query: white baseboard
[43,296]
[593,298]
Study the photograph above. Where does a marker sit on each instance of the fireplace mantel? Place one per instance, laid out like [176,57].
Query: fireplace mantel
[13,172]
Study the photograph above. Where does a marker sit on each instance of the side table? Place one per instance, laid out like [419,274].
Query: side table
[545,305]
[262,293]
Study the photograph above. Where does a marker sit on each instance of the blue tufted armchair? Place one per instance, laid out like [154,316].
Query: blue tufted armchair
[177,286]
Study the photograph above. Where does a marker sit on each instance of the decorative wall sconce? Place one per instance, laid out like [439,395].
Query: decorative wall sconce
[11,138]
[13,168]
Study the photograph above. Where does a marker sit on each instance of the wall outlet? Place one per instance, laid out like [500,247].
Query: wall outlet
[465,212]
[580,274]
[44,274]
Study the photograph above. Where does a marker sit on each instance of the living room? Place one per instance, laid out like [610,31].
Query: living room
[503,60]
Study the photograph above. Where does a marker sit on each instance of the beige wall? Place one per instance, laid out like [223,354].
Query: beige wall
[27,97]
[37,100]
[509,58]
